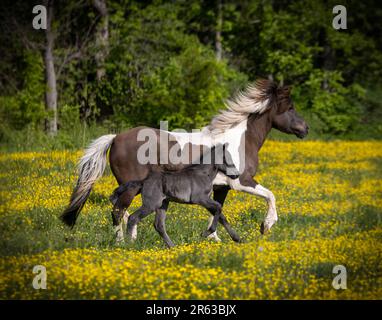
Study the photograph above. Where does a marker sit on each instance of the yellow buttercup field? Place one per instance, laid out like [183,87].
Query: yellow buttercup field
[329,198]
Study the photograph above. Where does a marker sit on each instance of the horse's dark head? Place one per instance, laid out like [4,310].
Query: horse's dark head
[284,116]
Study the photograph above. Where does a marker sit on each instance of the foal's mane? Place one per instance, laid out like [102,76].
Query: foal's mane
[255,98]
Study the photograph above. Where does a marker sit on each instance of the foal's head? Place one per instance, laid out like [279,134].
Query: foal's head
[222,160]
[283,114]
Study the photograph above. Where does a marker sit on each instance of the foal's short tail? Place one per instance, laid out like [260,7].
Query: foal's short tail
[90,167]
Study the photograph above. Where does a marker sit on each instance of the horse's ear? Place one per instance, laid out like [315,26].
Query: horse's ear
[284,90]
[287,89]
[270,90]
[283,98]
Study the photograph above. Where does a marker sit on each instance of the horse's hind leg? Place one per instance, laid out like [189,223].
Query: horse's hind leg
[120,214]
[220,194]
[159,224]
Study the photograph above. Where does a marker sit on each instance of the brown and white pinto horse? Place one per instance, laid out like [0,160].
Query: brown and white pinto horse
[244,125]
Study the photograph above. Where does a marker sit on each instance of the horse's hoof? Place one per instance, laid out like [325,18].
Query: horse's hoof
[113,199]
[120,244]
[263,228]
[119,239]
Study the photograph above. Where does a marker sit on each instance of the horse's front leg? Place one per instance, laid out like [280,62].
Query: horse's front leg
[247,184]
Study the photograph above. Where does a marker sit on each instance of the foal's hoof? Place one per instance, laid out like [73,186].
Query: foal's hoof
[170,245]
[213,236]
[206,234]
[264,228]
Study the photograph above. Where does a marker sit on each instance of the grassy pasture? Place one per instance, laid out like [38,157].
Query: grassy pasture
[329,198]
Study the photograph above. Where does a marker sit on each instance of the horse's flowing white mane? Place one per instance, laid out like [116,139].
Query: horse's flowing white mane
[253,99]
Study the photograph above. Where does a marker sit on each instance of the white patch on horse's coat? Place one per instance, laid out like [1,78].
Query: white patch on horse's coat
[232,136]
[221,180]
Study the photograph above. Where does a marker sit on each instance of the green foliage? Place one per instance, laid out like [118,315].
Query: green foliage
[161,73]
[187,91]
[26,106]
[334,104]
[69,117]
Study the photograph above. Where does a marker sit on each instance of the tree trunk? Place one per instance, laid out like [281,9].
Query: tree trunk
[50,74]
[328,63]
[102,38]
[218,34]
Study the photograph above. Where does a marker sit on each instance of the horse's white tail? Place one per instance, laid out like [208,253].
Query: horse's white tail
[90,167]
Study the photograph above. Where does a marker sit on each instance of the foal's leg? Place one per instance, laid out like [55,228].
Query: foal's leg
[234,236]
[159,224]
[134,219]
[214,208]
[120,214]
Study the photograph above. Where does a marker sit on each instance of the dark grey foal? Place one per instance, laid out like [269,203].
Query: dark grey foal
[191,185]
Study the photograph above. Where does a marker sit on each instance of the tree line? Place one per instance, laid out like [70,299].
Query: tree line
[128,63]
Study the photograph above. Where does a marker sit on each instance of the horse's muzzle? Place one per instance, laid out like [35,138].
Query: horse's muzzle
[302,132]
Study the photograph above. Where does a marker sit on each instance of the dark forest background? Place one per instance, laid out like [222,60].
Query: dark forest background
[104,66]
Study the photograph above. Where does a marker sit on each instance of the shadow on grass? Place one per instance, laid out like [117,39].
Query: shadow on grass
[98,198]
